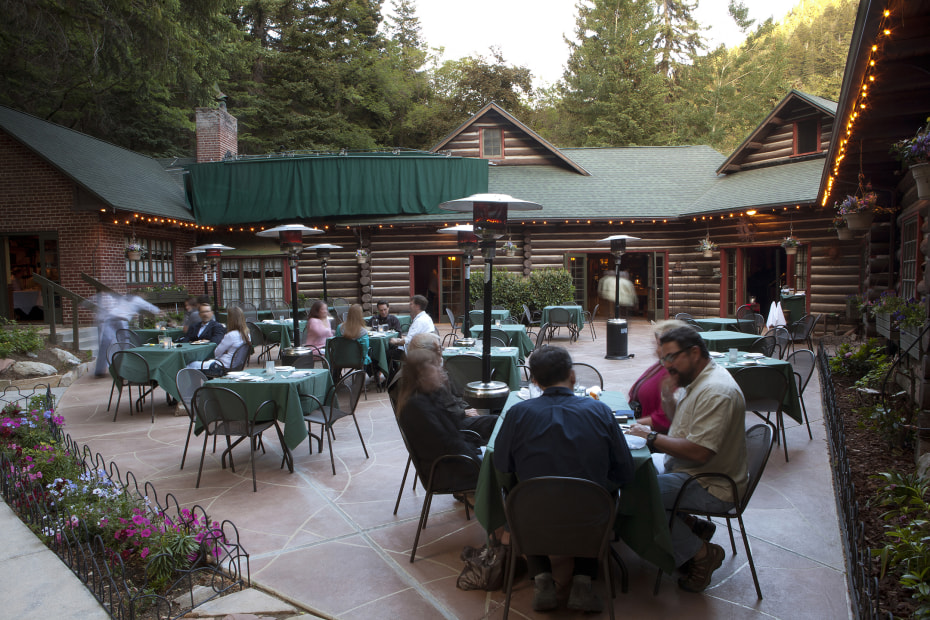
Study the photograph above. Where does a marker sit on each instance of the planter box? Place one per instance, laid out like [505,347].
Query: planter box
[883,325]
[908,336]
[165,297]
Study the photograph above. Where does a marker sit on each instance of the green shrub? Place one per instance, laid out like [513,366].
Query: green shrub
[546,287]
[16,339]
[891,423]
[550,287]
[858,362]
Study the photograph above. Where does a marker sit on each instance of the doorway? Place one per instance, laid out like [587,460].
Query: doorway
[756,275]
[646,270]
[438,277]
[24,255]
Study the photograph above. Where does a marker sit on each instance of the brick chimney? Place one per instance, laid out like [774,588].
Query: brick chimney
[217,134]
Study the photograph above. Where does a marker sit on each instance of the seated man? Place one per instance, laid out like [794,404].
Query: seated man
[533,441]
[707,435]
[384,317]
[421,323]
[207,329]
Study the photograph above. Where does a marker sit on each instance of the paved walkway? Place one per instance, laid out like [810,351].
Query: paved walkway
[331,545]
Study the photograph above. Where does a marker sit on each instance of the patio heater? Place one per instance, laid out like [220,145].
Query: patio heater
[617,329]
[201,257]
[212,253]
[468,243]
[489,221]
[322,252]
[290,236]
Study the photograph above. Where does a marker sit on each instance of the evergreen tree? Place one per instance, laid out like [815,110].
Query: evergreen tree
[407,87]
[679,35]
[613,95]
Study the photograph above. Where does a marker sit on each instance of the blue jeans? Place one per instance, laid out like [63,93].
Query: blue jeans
[684,543]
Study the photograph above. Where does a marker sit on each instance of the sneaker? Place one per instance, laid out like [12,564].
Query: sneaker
[544,594]
[582,597]
[701,568]
[704,529]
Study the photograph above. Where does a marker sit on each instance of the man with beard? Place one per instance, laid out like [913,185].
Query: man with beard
[707,435]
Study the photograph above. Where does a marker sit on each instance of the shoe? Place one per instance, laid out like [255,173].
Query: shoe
[544,594]
[582,597]
[704,529]
[701,567]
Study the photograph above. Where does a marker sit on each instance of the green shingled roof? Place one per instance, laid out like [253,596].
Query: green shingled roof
[119,177]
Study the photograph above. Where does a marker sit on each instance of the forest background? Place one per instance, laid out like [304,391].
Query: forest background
[341,74]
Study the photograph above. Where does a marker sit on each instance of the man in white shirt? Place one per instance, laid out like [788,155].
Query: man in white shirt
[420,323]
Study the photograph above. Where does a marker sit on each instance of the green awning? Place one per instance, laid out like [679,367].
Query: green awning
[319,187]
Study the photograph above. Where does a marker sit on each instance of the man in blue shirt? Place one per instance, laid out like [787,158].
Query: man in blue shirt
[560,434]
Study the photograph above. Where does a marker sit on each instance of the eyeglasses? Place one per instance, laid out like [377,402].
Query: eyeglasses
[668,359]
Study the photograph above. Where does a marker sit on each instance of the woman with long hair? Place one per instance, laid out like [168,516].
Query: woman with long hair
[237,334]
[318,329]
[354,328]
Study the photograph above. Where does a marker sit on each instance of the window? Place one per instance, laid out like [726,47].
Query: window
[806,136]
[491,143]
[252,279]
[800,268]
[156,267]
[909,241]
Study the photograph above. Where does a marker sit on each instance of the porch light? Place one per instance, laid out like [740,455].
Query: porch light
[290,236]
[212,253]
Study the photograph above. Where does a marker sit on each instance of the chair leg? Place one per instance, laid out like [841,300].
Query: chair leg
[609,584]
[624,575]
[780,421]
[118,398]
[508,581]
[112,387]
[421,524]
[752,566]
[732,540]
[403,481]
[203,455]
[806,420]
[329,442]
[360,435]
[252,463]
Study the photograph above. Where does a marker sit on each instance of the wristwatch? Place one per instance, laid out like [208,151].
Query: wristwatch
[651,440]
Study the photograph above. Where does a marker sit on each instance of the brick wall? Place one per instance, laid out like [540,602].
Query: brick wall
[217,134]
[35,197]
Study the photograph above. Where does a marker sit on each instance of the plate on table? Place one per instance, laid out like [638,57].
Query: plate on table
[201,342]
[754,356]
[236,374]
[748,363]
[717,354]
[284,369]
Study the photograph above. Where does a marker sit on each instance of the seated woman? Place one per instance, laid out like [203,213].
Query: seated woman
[354,327]
[318,329]
[651,397]
[429,431]
[237,334]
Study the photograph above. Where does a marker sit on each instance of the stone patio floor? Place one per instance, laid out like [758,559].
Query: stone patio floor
[331,545]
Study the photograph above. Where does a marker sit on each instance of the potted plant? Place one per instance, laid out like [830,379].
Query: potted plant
[135,250]
[914,153]
[509,248]
[910,318]
[790,244]
[884,309]
[843,232]
[361,255]
[857,209]
[706,247]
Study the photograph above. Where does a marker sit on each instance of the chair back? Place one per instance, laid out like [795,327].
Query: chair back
[131,367]
[240,357]
[587,375]
[501,335]
[684,316]
[266,304]
[528,316]
[248,310]
[764,387]
[497,342]
[694,324]
[221,408]
[782,340]
[256,336]
[310,360]
[559,317]
[462,370]
[476,317]
[542,334]
[760,323]
[127,335]
[759,439]
[189,380]
[744,311]
[452,323]
[347,391]
[345,353]
[764,345]
[593,314]
[553,515]
[509,321]
[117,346]
[802,362]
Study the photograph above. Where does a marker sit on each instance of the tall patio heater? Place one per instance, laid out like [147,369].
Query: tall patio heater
[617,328]
[201,257]
[468,243]
[291,238]
[322,252]
[489,220]
[212,253]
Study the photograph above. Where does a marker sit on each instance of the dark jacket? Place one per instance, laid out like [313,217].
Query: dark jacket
[214,332]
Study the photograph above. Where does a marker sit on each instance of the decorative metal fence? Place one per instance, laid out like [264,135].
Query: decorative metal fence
[220,561]
[863,585]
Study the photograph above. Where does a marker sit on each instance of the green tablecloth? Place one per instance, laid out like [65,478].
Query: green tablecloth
[476,317]
[516,335]
[379,347]
[275,330]
[641,519]
[723,341]
[403,318]
[791,406]
[164,364]
[221,316]
[722,324]
[576,311]
[152,335]
[284,391]
[504,362]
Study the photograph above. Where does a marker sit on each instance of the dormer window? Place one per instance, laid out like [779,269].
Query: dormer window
[807,136]
[492,146]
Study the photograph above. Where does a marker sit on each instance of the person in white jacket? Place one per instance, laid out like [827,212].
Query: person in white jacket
[237,334]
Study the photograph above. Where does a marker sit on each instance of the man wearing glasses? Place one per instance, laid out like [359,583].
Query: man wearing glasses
[707,435]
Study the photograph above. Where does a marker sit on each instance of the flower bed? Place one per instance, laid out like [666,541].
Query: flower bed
[133,552]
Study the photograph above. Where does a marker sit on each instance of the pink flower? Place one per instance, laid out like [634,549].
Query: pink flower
[145,533]
[144,552]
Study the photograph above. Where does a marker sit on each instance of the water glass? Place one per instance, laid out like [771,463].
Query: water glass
[733,354]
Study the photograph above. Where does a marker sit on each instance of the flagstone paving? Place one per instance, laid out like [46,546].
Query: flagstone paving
[331,545]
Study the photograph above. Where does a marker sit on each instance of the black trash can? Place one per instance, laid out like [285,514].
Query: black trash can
[617,339]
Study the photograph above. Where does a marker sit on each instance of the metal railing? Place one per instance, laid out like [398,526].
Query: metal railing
[49,301]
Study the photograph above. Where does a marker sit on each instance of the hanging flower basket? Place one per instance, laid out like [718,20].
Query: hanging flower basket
[708,253]
[509,248]
[791,245]
[859,221]
[844,233]
[135,250]
[133,255]
[361,256]
[921,174]
[706,247]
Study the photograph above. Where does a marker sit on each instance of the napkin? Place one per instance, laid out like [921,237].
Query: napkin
[776,316]
[634,442]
